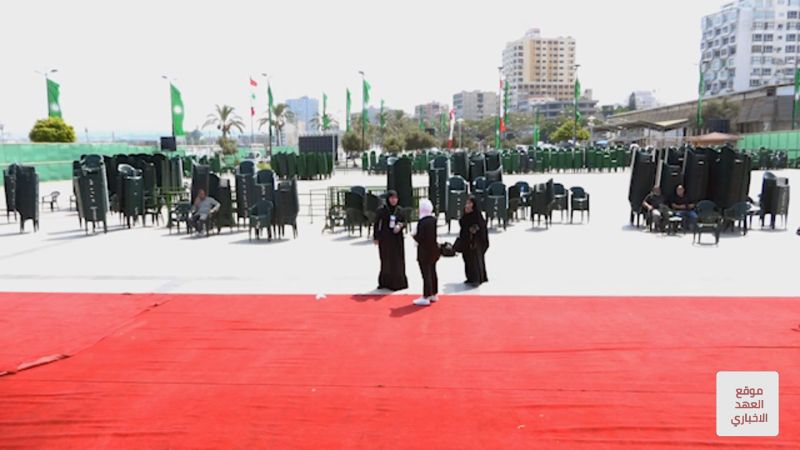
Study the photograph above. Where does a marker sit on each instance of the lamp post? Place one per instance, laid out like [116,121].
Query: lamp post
[46,74]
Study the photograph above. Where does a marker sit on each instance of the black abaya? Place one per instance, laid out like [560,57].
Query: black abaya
[473,241]
[391,249]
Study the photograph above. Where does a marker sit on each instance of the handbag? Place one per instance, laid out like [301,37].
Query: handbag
[447,250]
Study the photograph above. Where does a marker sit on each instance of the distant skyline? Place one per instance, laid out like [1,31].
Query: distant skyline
[111,55]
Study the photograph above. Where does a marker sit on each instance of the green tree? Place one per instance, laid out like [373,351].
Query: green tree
[225,120]
[316,122]
[718,109]
[394,143]
[565,132]
[281,115]
[52,129]
[419,140]
[352,144]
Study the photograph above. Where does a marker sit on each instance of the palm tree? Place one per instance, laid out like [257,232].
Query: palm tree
[224,119]
[281,114]
[316,122]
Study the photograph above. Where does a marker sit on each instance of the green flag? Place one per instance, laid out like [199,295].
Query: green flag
[421,121]
[177,111]
[577,100]
[53,93]
[441,123]
[347,120]
[364,113]
[383,119]
[270,107]
[326,121]
[796,97]
[536,129]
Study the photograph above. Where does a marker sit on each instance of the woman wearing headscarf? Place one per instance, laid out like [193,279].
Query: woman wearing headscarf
[388,236]
[472,242]
[427,253]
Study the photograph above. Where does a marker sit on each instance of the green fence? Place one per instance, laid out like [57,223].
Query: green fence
[54,161]
[788,141]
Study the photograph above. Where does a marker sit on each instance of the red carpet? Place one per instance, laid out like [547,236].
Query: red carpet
[368,372]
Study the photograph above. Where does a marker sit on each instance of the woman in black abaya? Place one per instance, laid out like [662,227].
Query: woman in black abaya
[388,235]
[472,242]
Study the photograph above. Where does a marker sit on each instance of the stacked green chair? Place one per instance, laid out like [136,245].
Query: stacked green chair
[302,167]
[291,165]
[516,162]
[365,162]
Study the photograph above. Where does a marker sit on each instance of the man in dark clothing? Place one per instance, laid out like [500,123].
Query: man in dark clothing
[427,253]
[683,208]
[651,203]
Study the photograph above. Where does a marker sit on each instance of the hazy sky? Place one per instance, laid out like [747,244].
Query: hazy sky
[111,54]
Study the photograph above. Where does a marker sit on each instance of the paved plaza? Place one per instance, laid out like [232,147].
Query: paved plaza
[603,256]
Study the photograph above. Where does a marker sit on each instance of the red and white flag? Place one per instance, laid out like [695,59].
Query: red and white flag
[452,127]
[253,82]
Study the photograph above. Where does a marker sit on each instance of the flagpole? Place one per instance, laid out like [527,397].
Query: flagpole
[796,92]
[575,128]
[252,111]
[171,112]
[363,111]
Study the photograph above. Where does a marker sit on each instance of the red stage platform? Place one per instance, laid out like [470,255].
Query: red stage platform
[193,371]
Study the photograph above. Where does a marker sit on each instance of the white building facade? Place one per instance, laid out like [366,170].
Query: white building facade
[750,43]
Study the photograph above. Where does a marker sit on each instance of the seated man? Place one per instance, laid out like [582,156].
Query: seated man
[680,204]
[651,204]
[202,208]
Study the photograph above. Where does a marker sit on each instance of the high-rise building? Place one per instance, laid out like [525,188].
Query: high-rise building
[639,100]
[750,43]
[304,108]
[475,105]
[539,68]
[431,111]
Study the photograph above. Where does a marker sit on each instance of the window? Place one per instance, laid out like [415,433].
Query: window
[767,49]
[757,38]
[754,83]
[790,49]
[768,38]
[791,15]
[756,49]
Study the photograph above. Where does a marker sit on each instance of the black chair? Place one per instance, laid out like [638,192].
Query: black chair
[542,203]
[737,214]
[514,201]
[371,205]
[179,214]
[456,199]
[354,212]
[260,218]
[479,191]
[579,202]
[497,204]
[708,220]
[560,199]
[52,200]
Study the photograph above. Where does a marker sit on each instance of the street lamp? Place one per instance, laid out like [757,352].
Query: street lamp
[460,121]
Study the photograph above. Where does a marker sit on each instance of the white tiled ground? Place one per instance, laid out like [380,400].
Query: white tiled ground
[602,257]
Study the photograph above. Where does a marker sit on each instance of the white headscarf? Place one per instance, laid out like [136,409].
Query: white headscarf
[425,208]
